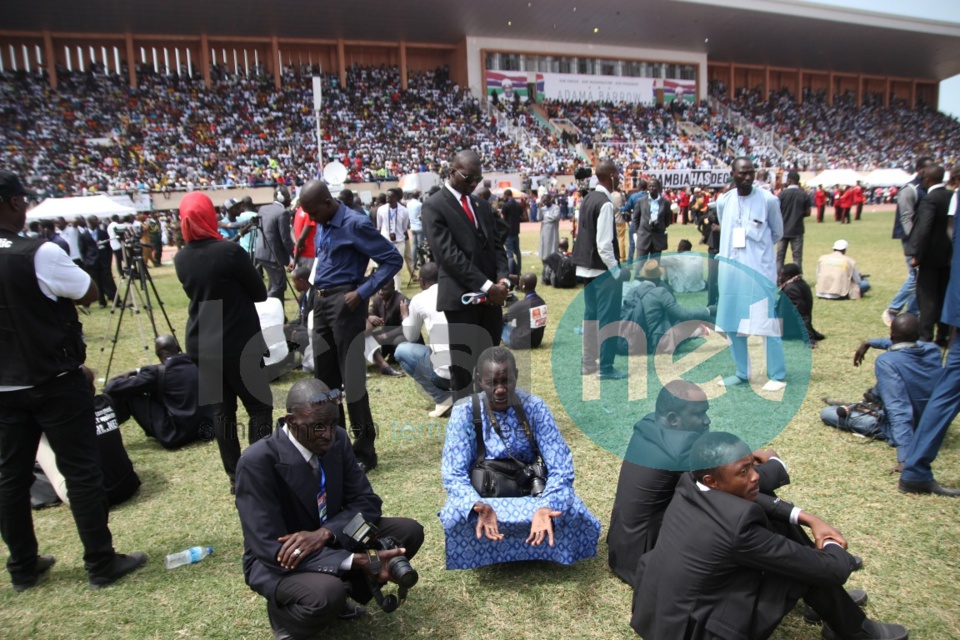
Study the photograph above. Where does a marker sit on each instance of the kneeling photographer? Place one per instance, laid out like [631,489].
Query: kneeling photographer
[312,529]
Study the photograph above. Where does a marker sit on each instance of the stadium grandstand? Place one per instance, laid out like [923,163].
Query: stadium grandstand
[98,100]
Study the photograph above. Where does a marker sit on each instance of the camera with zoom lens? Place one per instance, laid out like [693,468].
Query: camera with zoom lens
[365,538]
[536,473]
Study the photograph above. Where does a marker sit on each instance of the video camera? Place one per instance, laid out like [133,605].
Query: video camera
[128,237]
[366,539]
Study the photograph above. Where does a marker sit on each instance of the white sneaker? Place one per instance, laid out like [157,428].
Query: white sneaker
[441,409]
[887,316]
[774,385]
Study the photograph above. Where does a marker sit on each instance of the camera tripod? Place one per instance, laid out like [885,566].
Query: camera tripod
[135,271]
[253,229]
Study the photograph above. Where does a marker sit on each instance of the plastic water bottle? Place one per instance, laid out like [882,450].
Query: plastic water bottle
[188,556]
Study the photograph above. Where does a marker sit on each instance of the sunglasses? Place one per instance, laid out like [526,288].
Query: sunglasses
[469,179]
[334,395]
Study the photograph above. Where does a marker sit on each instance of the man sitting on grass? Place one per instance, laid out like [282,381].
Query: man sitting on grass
[718,571]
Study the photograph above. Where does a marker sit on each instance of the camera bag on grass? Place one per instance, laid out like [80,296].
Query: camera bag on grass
[505,477]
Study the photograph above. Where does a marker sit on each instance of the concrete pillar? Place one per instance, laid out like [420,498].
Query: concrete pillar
[799,88]
[205,61]
[403,65]
[913,94]
[886,94]
[342,62]
[830,89]
[50,58]
[766,81]
[730,84]
[860,91]
[277,66]
[131,61]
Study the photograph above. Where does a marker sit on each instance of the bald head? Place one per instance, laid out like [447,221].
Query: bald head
[302,391]
[166,346]
[608,175]
[905,328]
[316,201]
[528,283]
[467,172]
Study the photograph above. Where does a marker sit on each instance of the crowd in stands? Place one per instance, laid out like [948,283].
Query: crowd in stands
[845,136]
[93,133]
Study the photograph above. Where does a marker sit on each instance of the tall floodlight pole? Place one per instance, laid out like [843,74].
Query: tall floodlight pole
[317,102]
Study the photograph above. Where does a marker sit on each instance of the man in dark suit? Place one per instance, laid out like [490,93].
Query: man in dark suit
[296,491]
[512,212]
[97,258]
[794,207]
[652,216]
[932,251]
[718,571]
[275,245]
[656,457]
[468,247]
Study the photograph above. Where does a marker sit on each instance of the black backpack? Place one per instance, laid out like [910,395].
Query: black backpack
[566,275]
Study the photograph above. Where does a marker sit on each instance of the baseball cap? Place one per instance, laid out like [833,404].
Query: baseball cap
[230,203]
[11,185]
[840,245]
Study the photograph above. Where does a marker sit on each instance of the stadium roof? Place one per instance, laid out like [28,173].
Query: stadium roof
[765,32]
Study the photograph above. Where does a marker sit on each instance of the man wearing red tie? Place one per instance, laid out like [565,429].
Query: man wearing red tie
[467,245]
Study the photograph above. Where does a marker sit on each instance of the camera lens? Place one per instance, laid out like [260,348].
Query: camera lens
[537,485]
[405,575]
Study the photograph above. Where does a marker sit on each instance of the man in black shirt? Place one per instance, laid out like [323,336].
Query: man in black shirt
[794,207]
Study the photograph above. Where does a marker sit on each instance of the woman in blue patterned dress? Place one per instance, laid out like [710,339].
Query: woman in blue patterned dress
[555,525]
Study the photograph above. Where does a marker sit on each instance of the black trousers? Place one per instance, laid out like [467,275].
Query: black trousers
[472,330]
[713,270]
[246,381]
[153,418]
[602,297]
[931,291]
[62,409]
[306,602]
[820,209]
[118,256]
[102,275]
[276,279]
[339,362]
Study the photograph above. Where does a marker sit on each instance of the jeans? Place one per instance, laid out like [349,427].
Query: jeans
[416,237]
[632,231]
[414,359]
[907,296]
[942,408]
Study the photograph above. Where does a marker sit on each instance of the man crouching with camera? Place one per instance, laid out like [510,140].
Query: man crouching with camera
[312,530]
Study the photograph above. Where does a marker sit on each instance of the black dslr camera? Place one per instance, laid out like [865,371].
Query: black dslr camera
[536,474]
[365,538]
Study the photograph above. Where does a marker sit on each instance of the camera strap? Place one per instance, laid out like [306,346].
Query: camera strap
[478,428]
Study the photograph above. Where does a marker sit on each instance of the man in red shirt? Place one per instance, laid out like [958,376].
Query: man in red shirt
[859,197]
[683,200]
[820,199]
[304,230]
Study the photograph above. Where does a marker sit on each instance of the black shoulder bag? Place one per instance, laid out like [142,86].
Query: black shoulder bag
[506,477]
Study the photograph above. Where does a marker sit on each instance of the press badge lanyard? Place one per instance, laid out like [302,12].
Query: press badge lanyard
[323,237]
[392,221]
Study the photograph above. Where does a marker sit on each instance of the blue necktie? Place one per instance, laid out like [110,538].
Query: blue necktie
[322,494]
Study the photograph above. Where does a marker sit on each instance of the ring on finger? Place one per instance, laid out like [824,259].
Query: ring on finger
[296,552]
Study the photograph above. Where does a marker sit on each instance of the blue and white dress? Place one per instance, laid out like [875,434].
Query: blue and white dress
[576,532]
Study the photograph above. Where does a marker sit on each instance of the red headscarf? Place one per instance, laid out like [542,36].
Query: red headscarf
[198,218]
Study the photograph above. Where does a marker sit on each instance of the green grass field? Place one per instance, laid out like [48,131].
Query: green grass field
[910,545]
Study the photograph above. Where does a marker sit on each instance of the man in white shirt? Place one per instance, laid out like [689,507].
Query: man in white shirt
[393,221]
[71,234]
[424,362]
[115,244]
[414,206]
[597,256]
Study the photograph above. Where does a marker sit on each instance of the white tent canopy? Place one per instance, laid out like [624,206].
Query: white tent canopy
[831,177]
[100,206]
[887,178]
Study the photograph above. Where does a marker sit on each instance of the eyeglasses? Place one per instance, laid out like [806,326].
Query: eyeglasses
[334,395]
[469,179]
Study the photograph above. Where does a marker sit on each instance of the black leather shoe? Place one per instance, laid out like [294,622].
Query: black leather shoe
[859,597]
[279,632]
[927,488]
[856,563]
[121,566]
[871,630]
[390,372]
[352,611]
[612,374]
[43,565]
